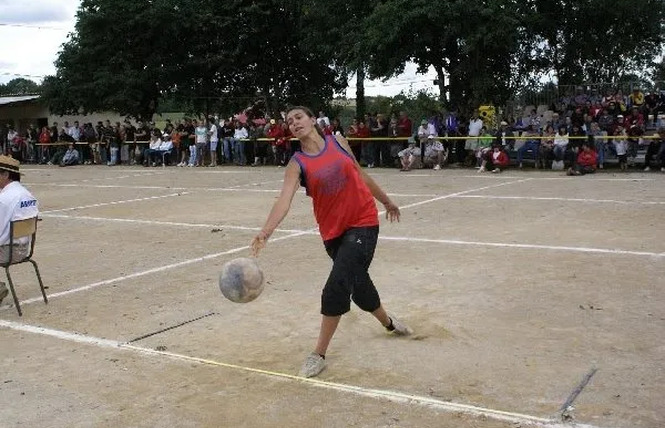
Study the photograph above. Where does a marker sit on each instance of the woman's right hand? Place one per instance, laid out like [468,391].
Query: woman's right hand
[258,243]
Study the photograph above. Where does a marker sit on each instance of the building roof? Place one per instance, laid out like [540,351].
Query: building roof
[15,99]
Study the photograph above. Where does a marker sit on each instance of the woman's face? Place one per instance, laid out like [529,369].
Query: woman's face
[299,122]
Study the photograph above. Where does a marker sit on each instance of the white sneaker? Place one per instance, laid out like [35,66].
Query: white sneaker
[647,169]
[662,169]
[401,329]
[496,171]
[313,365]
[437,167]
[3,291]
[481,169]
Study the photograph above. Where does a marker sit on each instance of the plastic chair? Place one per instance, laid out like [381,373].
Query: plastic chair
[22,229]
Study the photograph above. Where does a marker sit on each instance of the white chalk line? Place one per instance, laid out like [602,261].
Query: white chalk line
[374,393]
[103,204]
[586,200]
[526,246]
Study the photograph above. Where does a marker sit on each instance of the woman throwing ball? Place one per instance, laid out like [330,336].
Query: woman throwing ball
[343,197]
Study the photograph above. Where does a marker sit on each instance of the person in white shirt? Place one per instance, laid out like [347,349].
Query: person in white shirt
[239,136]
[71,156]
[472,143]
[16,203]
[201,133]
[213,134]
[155,143]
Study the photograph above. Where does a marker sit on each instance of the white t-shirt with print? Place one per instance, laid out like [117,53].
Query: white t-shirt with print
[16,203]
[201,134]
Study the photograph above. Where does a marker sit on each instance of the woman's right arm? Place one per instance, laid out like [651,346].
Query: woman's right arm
[280,208]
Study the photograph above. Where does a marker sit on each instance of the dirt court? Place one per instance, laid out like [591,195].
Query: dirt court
[518,286]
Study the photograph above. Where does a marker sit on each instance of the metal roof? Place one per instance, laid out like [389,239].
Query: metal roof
[17,99]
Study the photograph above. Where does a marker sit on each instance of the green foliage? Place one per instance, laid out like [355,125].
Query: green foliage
[20,86]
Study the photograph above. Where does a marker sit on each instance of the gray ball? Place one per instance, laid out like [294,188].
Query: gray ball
[241,280]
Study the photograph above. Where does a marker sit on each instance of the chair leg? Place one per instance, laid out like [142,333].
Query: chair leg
[11,288]
[39,278]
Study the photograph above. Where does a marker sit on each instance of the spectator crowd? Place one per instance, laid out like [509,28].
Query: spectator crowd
[578,133]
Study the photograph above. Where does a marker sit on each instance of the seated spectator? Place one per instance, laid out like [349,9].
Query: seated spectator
[163,152]
[435,153]
[155,144]
[410,157]
[484,146]
[71,156]
[586,161]
[532,143]
[655,148]
[16,203]
[495,160]
[505,137]
[546,148]
[560,144]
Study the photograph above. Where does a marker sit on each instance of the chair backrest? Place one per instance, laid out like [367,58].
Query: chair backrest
[23,228]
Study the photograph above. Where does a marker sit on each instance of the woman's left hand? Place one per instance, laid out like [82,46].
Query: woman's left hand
[392,211]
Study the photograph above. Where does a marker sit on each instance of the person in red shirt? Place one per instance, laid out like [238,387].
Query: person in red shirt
[343,198]
[495,159]
[586,161]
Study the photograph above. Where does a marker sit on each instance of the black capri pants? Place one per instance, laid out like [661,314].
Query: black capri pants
[352,253]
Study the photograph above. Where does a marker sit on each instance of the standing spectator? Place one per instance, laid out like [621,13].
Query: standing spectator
[201,132]
[598,142]
[213,135]
[368,146]
[239,138]
[31,139]
[227,143]
[44,150]
[621,147]
[475,126]
[453,130]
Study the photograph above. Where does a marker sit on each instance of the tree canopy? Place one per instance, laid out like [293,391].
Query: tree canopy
[210,55]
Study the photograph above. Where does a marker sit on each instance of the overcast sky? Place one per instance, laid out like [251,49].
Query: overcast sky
[33,31]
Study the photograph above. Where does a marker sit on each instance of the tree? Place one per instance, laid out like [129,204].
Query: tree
[207,54]
[593,40]
[20,86]
[469,44]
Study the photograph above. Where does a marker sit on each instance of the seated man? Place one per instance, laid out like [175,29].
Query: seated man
[71,156]
[164,148]
[410,157]
[532,143]
[435,153]
[16,203]
[155,143]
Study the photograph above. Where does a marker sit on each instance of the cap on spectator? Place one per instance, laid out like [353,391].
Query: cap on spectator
[504,123]
[423,122]
[272,121]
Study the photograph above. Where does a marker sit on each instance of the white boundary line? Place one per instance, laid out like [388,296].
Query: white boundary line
[529,246]
[103,204]
[393,396]
[534,198]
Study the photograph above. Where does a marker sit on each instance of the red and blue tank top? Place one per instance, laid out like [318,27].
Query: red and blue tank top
[339,194]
